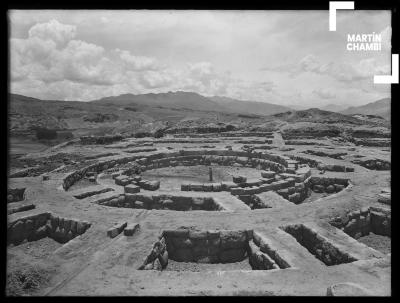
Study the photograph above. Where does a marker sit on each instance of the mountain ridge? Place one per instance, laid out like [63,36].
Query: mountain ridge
[194,101]
[380,107]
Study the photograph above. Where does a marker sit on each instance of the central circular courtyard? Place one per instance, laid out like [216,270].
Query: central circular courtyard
[171,178]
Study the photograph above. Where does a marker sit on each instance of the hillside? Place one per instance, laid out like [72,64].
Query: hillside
[334,108]
[174,100]
[26,114]
[122,114]
[193,101]
[127,114]
[316,115]
[249,107]
[380,108]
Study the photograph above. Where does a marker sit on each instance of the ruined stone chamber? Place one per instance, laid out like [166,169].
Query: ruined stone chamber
[261,216]
[190,245]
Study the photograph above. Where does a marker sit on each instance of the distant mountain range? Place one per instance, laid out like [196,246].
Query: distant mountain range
[334,108]
[380,108]
[128,112]
[318,116]
[377,108]
[194,101]
[249,107]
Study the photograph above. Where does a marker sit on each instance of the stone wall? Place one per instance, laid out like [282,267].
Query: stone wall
[361,222]
[253,141]
[320,165]
[37,226]
[325,154]
[304,160]
[168,202]
[298,142]
[265,246]
[319,246]
[259,260]
[184,157]
[206,246]
[187,244]
[200,129]
[15,194]
[90,140]
[19,208]
[295,188]
[187,141]
[377,142]
[212,246]
[208,187]
[372,163]
[157,259]
[310,133]
[335,167]
[23,172]
[328,185]
[139,150]
[228,134]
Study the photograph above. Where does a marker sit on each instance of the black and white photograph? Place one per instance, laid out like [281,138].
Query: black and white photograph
[200,152]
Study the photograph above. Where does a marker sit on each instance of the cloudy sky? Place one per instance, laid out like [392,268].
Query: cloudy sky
[282,57]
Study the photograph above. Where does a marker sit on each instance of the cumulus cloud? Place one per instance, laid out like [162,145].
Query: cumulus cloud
[85,56]
[386,35]
[324,93]
[50,54]
[137,63]
[53,30]
[154,79]
[341,71]
[51,58]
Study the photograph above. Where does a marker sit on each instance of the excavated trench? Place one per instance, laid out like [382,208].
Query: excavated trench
[189,249]
[39,226]
[317,245]
[371,226]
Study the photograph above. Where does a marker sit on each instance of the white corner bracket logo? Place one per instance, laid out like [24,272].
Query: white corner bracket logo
[394,77]
[335,5]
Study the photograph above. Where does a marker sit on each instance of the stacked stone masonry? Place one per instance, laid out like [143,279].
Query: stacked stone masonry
[164,201]
[319,246]
[263,160]
[213,246]
[15,194]
[37,226]
[361,222]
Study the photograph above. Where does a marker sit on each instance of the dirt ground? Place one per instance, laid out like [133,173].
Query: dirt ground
[196,267]
[95,264]
[83,183]
[39,249]
[171,178]
[378,242]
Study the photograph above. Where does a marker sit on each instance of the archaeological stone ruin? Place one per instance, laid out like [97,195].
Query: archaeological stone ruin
[171,215]
[187,153]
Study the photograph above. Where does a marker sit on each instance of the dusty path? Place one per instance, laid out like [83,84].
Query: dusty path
[278,140]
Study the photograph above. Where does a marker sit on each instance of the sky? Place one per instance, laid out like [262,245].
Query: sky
[283,57]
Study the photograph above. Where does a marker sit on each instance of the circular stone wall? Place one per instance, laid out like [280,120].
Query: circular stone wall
[171,178]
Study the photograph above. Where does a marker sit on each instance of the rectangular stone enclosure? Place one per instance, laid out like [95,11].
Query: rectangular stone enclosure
[371,224]
[317,245]
[361,222]
[37,226]
[190,245]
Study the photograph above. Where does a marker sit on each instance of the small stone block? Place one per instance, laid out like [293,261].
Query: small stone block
[116,229]
[131,229]
[131,189]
